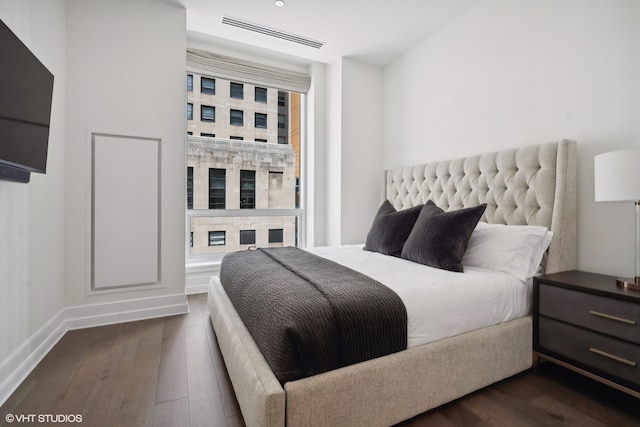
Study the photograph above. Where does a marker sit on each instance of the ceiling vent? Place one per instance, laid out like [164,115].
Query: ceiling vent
[257,28]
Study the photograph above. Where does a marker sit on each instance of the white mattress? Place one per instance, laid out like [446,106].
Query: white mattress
[440,303]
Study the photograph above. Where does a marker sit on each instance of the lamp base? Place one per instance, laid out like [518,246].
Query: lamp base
[629,283]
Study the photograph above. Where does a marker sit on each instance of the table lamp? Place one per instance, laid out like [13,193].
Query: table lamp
[617,179]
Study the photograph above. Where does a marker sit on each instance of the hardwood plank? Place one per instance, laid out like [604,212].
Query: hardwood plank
[104,405]
[172,414]
[138,401]
[172,376]
[205,402]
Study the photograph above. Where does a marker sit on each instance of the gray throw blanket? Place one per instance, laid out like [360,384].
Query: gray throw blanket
[309,315]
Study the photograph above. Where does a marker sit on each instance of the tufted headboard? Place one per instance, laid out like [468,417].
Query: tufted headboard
[533,185]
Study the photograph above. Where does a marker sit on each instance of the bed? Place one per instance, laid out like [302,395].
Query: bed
[533,185]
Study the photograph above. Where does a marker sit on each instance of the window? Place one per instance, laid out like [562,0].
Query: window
[261,94]
[217,238]
[236,118]
[276,235]
[247,189]
[282,140]
[282,121]
[190,188]
[189,82]
[247,237]
[207,113]
[237,185]
[189,111]
[261,120]
[217,188]
[189,132]
[208,86]
[237,90]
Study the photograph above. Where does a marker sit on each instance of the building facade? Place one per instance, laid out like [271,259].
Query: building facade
[240,156]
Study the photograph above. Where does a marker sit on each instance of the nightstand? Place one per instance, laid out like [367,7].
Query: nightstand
[584,322]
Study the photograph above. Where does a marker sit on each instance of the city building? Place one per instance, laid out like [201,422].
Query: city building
[242,153]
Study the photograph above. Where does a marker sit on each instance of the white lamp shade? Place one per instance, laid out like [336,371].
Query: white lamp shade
[617,176]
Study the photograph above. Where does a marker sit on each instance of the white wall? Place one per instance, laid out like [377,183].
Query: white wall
[507,74]
[361,154]
[126,62]
[32,215]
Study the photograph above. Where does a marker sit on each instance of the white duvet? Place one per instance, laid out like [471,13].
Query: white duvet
[440,303]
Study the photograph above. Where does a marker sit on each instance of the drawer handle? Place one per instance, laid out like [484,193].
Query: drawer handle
[608,316]
[614,357]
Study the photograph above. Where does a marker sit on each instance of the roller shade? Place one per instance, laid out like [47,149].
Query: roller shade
[202,62]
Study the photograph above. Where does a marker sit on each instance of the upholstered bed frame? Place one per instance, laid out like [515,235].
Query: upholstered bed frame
[531,185]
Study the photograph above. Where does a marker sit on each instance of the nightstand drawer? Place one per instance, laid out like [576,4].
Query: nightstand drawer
[606,354]
[610,316]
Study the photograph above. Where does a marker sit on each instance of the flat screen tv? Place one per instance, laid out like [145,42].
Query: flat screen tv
[26,91]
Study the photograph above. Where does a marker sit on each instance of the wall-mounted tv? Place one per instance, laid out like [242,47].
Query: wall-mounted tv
[26,91]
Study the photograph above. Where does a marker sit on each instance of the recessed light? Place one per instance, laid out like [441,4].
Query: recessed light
[279,3]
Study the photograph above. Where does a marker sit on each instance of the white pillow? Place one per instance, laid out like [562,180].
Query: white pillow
[515,249]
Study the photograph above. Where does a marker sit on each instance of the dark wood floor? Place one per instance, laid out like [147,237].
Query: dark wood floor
[169,372]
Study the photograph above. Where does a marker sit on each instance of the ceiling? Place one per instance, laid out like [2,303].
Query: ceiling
[372,31]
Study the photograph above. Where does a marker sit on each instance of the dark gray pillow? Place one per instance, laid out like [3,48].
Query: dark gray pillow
[390,229]
[439,239]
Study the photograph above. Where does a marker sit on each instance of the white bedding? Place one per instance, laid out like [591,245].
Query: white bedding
[440,303]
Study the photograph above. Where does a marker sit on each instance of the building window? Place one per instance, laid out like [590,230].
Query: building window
[217,238]
[189,132]
[247,237]
[282,140]
[247,189]
[261,120]
[261,94]
[276,235]
[217,188]
[189,187]
[237,138]
[208,86]
[237,90]
[237,117]
[207,113]
[208,135]
[191,239]
[260,140]
[282,99]
[189,82]
[189,111]
[282,121]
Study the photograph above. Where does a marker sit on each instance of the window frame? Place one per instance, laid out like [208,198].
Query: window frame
[217,185]
[262,90]
[239,121]
[264,118]
[248,193]
[208,90]
[251,233]
[213,110]
[224,238]
[236,90]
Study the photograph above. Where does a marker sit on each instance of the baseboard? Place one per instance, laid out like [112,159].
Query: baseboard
[15,368]
[21,362]
[197,277]
[87,316]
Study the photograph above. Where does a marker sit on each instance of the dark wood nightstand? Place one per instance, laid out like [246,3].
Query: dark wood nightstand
[584,322]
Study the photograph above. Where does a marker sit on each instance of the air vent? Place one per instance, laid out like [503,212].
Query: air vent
[257,28]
